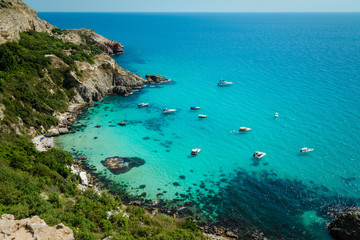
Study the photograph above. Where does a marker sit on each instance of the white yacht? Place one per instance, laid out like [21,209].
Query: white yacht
[202,116]
[224,83]
[259,155]
[276,115]
[195,151]
[305,149]
[165,111]
[140,105]
[195,108]
[244,129]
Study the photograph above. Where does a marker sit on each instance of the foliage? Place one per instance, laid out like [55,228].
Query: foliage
[59,31]
[30,87]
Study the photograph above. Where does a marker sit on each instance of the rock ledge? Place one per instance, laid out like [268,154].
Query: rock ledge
[32,228]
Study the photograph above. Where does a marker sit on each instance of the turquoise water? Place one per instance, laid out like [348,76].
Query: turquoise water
[306,67]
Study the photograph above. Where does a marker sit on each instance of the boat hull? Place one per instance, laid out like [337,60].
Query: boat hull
[195,151]
[169,111]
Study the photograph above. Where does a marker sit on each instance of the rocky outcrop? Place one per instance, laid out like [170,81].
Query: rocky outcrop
[85,35]
[156,78]
[346,226]
[16,17]
[32,228]
[118,165]
[103,77]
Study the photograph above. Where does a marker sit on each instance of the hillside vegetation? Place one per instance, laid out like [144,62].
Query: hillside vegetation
[30,88]
[40,183]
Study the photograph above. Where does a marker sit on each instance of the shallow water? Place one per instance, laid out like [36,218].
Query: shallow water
[306,67]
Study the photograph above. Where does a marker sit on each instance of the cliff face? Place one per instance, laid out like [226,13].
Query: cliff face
[98,79]
[32,228]
[16,17]
[78,36]
[101,78]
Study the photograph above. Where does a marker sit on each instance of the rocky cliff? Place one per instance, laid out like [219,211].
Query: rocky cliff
[78,36]
[32,228]
[103,77]
[16,17]
[346,226]
[97,79]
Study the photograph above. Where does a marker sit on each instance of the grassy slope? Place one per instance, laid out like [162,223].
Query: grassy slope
[34,183]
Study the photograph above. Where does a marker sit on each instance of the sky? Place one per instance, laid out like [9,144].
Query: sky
[194,5]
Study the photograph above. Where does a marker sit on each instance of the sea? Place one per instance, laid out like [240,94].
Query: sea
[303,66]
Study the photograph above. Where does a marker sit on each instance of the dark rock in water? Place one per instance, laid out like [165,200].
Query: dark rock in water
[182,177]
[146,138]
[143,194]
[118,165]
[346,226]
[142,186]
[122,90]
[176,184]
[156,78]
[159,195]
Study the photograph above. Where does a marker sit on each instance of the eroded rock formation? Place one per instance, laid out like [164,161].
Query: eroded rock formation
[156,78]
[16,17]
[32,228]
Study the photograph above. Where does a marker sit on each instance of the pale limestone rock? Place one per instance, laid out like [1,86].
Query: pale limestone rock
[2,109]
[63,130]
[52,132]
[83,178]
[18,17]
[84,35]
[32,229]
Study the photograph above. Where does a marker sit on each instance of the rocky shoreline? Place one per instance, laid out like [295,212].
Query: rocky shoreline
[346,225]
[46,141]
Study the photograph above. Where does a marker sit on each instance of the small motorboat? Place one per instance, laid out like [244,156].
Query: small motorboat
[97,126]
[202,116]
[166,111]
[259,155]
[195,108]
[244,129]
[305,149]
[276,115]
[224,83]
[140,105]
[122,123]
[195,151]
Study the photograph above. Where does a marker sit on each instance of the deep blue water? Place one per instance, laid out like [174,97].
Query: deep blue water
[305,66]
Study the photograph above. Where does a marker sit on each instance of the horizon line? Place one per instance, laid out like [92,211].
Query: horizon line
[193,12]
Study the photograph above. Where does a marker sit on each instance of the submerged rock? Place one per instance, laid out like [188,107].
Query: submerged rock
[118,165]
[346,225]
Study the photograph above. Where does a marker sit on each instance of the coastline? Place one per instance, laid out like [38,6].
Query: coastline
[90,180]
